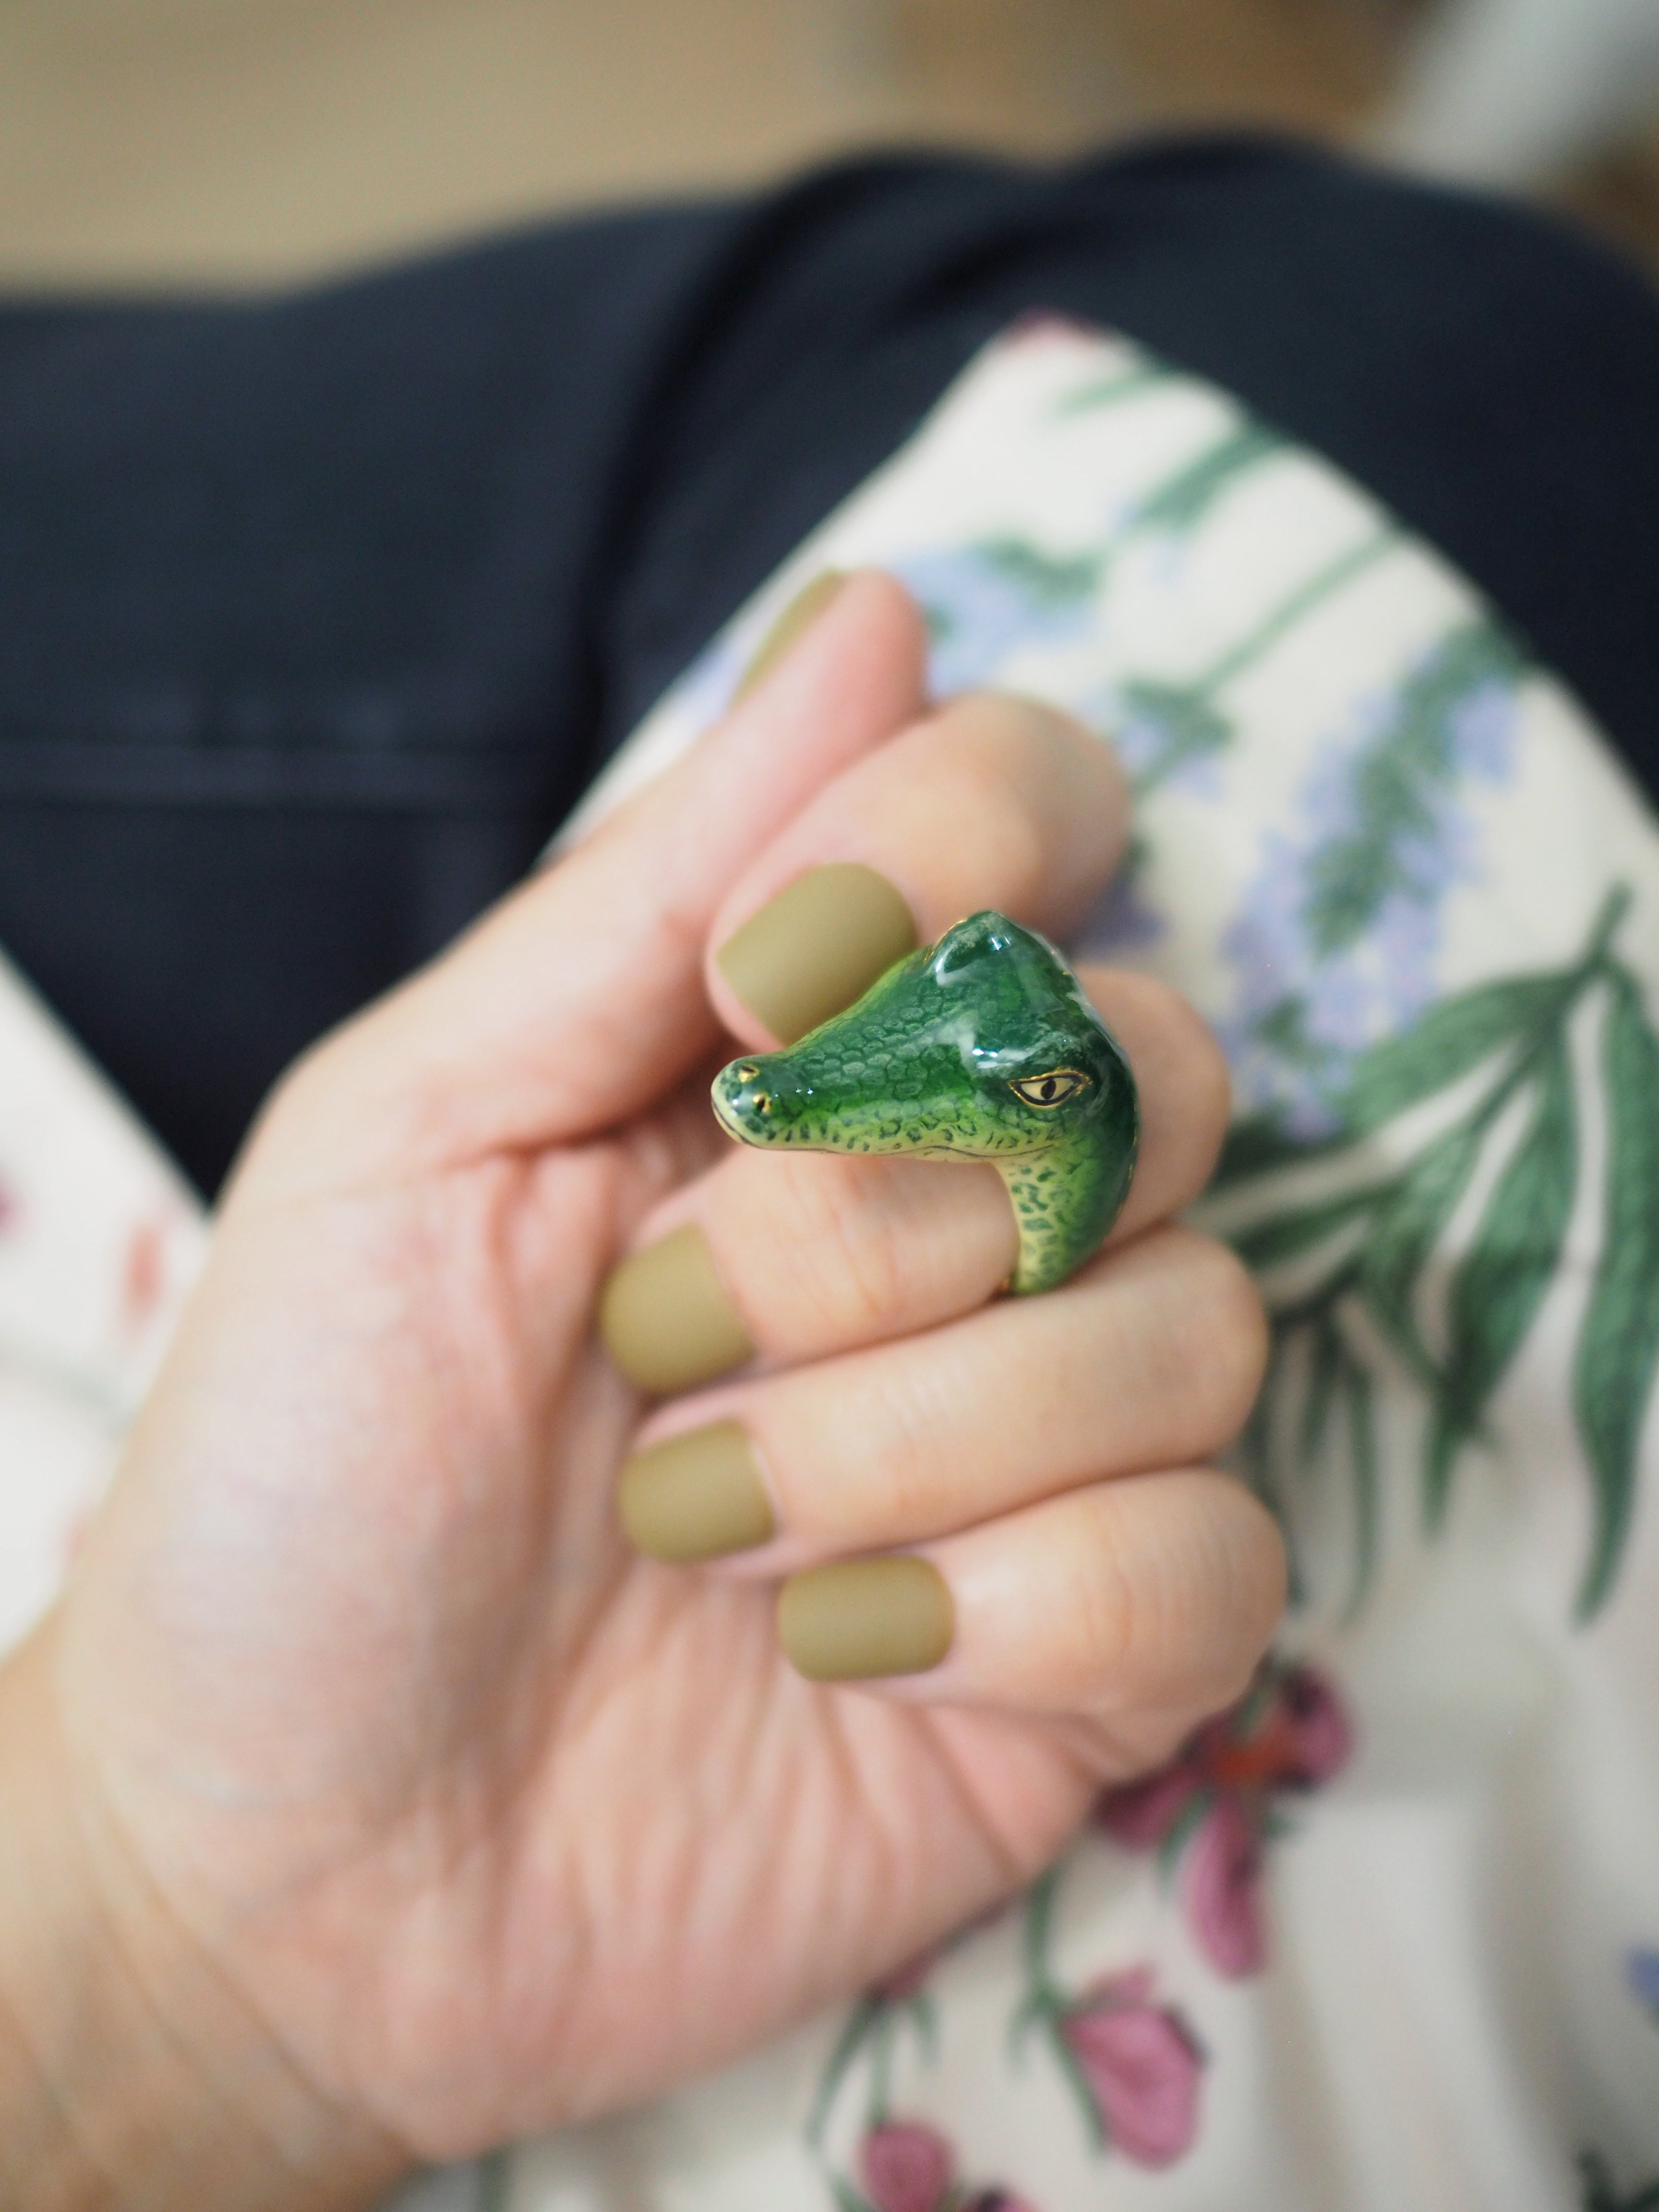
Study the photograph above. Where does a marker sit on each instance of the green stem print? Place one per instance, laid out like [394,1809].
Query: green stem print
[1045,2003]
[1104,392]
[870,2034]
[1168,726]
[1130,2061]
[980,601]
[1363,1250]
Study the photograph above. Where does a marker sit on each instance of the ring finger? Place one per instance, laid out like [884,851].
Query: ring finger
[797,1256]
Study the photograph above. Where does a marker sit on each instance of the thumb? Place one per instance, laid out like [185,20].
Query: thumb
[578,999]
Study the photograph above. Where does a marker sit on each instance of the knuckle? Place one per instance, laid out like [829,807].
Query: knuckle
[1207,1083]
[1222,1328]
[842,1272]
[1107,1620]
[904,1412]
[1181,1621]
[862,1272]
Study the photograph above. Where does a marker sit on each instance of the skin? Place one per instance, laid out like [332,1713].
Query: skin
[364,1799]
[981,1047]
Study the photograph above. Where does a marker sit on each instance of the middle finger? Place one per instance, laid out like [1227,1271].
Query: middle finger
[1150,1357]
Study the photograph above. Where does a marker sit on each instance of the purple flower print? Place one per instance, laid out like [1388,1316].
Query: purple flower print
[984,602]
[1337,939]
[1211,1809]
[1142,2065]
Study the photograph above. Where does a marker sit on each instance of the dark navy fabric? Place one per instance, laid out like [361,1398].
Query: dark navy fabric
[317,612]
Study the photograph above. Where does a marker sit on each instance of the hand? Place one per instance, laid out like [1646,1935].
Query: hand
[364,1771]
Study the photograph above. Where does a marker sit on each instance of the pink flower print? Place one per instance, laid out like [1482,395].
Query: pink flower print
[1211,1806]
[144,1274]
[1142,2065]
[10,1205]
[1221,1890]
[1320,1736]
[1139,1814]
[906,2166]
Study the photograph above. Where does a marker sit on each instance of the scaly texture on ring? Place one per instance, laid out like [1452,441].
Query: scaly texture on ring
[981,1047]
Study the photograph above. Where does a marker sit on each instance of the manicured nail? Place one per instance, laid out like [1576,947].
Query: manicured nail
[864,1617]
[665,1319]
[817,946]
[797,618]
[696,1497]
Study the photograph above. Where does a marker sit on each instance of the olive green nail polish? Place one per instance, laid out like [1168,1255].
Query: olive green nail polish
[817,946]
[797,618]
[866,1618]
[696,1497]
[665,1319]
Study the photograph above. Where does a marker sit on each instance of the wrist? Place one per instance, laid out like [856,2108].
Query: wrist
[132,2077]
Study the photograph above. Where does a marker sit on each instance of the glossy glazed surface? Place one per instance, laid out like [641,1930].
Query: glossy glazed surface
[981,1047]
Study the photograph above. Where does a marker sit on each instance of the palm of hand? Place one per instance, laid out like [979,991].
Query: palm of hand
[489,1755]
[483,1822]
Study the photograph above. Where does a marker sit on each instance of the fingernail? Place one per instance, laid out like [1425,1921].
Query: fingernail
[817,946]
[864,1617]
[696,1497]
[797,618]
[665,1319]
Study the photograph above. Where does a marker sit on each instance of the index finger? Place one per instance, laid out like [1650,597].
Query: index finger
[575,1001]
[994,801]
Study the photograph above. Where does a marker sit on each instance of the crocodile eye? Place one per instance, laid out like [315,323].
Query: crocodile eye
[1053,1089]
[746,1073]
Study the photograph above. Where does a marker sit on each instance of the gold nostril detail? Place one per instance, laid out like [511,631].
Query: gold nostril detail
[747,1074]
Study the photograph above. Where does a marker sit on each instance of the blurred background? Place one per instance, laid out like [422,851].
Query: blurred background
[205,143]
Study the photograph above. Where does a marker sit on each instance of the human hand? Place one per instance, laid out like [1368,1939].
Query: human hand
[364,1772]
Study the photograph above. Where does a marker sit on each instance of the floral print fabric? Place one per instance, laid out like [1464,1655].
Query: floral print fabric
[1387,1933]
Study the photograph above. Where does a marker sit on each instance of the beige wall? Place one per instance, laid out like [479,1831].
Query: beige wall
[203,141]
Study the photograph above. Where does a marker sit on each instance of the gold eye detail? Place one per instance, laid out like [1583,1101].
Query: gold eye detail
[747,1074]
[761,1103]
[1053,1089]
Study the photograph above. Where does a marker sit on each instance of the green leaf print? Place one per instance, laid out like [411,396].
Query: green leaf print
[1395,783]
[1284,1236]
[1507,1040]
[1107,391]
[1182,501]
[1362,1444]
[1445,1043]
[1327,1366]
[1261,1143]
[1050,579]
[1187,728]
[1613,1377]
[1498,1288]
[1405,1230]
